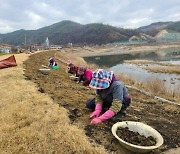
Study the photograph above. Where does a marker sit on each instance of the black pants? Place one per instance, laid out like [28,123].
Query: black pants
[107,102]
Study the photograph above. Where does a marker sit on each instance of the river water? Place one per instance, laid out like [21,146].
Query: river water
[116,64]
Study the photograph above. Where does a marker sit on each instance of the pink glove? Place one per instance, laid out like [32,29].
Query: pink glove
[107,115]
[97,111]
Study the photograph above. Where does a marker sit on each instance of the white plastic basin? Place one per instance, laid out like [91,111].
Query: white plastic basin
[44,70]
[142,129]
[73,78]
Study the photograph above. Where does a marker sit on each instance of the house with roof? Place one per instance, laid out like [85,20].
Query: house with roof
[36,47]
[5,48]
[56,47]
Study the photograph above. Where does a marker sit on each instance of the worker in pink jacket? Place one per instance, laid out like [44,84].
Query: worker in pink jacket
[84,75]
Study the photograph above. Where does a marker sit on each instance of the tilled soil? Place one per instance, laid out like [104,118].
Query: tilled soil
[73,96]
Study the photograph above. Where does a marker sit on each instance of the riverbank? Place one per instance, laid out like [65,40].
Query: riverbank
[88,51]
[156,67]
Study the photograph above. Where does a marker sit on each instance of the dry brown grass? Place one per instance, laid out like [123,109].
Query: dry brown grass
[64,56]
[31,123]
[2,53]
[76,60]
[146,62]
[142,62]
[162,68]
[157,87]
[154,86]
[129,81]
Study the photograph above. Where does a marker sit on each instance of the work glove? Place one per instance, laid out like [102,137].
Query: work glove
[107,115]
[97,111]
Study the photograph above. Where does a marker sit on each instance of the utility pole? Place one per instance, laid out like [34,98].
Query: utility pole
[0,40]
[25,44]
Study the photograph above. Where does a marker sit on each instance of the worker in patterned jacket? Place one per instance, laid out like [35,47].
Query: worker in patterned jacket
[111,96]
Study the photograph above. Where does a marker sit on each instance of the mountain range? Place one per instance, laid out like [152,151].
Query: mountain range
[96,33]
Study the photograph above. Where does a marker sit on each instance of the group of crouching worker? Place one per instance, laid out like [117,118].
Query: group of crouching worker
[112,98]
[111,94]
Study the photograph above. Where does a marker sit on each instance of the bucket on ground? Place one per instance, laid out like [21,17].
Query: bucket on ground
[55,67]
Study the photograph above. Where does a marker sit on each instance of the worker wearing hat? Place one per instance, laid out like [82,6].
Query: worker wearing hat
[52,62]
[84,74]
[111,94]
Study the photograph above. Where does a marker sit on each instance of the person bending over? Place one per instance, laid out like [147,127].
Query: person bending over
[52,62]
[84,75]
[111,95]
[71,68]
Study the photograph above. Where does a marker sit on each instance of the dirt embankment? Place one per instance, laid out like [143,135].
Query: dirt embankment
[72,96]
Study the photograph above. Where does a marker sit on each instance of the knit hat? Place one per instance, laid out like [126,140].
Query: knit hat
[101,79]
[69,62]
[50,58]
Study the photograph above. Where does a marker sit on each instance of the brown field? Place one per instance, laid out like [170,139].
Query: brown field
[47,114]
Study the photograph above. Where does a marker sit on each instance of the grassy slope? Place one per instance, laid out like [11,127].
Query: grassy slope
[31,123]
[72,96]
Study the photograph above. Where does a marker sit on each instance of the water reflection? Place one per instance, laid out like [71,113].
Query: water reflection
[112,60]
[115,63]
[172,81]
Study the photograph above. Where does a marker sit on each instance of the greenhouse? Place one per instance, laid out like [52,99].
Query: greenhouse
[170,37]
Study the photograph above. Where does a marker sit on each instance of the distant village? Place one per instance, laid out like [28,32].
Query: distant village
[8,48]
[142,38]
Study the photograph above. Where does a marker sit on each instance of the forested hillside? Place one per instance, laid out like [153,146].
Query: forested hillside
[175,26]
[68,31]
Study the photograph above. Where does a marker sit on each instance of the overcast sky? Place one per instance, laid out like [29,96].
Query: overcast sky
[34,14]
